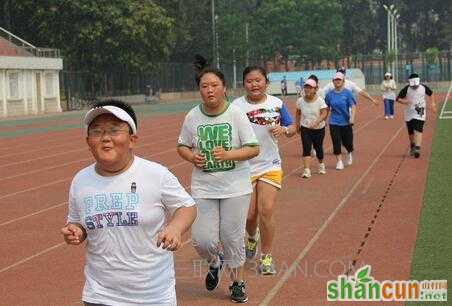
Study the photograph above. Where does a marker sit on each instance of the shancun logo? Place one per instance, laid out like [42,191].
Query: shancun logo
[363,287]
[211,136]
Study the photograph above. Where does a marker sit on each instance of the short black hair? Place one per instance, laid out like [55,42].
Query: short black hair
[255,68]
[413,75]
[212,70]
[122,105]
[202,67]
[314,77]
[341,70]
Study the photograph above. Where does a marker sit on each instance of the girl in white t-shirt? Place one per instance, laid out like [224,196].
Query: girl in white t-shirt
[387,87]
[120,205]
[217,138]
[269,119]
[310,118]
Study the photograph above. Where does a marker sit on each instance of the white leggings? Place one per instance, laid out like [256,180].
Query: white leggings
[221,221]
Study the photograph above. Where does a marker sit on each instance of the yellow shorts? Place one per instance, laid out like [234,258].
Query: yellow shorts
[273,177]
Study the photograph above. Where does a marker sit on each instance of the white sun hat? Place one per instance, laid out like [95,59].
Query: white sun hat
[109,109]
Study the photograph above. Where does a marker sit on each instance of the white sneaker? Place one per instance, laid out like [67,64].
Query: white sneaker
[386,117]
[340,165]
[306,173]
[322,168]
[391,117]
[349,159]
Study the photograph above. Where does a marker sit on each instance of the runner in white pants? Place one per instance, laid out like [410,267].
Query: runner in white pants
[218,139]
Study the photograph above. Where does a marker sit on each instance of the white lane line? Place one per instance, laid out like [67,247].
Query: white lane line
[444,104]
[32,256]
[330,146]
[367,186]
[52,248]
[75,162]
[272,293]
[60,144]
[57,205]
[172,167]
[33,214]
[84,149]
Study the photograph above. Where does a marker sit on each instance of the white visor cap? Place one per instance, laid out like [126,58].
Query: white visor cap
[414,81]
[109,109]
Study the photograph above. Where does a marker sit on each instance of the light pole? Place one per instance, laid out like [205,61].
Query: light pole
[392,38]
[214,36]
[396,48]
[217,45]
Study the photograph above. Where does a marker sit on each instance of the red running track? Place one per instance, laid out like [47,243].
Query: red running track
[366,214]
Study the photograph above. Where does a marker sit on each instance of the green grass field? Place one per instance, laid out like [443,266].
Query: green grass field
[433,253]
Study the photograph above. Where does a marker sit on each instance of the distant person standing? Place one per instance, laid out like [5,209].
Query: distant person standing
[414,96]
[350,85]
[342,108]
[299,84]
[388,86]
[284,86]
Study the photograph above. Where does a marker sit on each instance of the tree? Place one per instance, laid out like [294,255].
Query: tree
[98,35]
[358,36]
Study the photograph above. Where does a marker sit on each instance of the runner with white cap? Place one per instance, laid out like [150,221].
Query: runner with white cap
[350,85]
[387,87]
[342,107]
[310,118]
[120,205]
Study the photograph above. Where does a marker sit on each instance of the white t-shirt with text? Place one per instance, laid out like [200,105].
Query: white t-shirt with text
[263,116]
[202,132]
[122,215]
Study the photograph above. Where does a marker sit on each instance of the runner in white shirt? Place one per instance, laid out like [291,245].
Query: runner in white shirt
[310,118]
[350,85]
[269,119]
[120,205]
[414,96]
[218,139]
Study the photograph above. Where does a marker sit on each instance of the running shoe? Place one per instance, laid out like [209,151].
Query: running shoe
[238,292]
[213,276]
[349,159]
[306,173]
[340,165]
[322,168]
[266,266]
